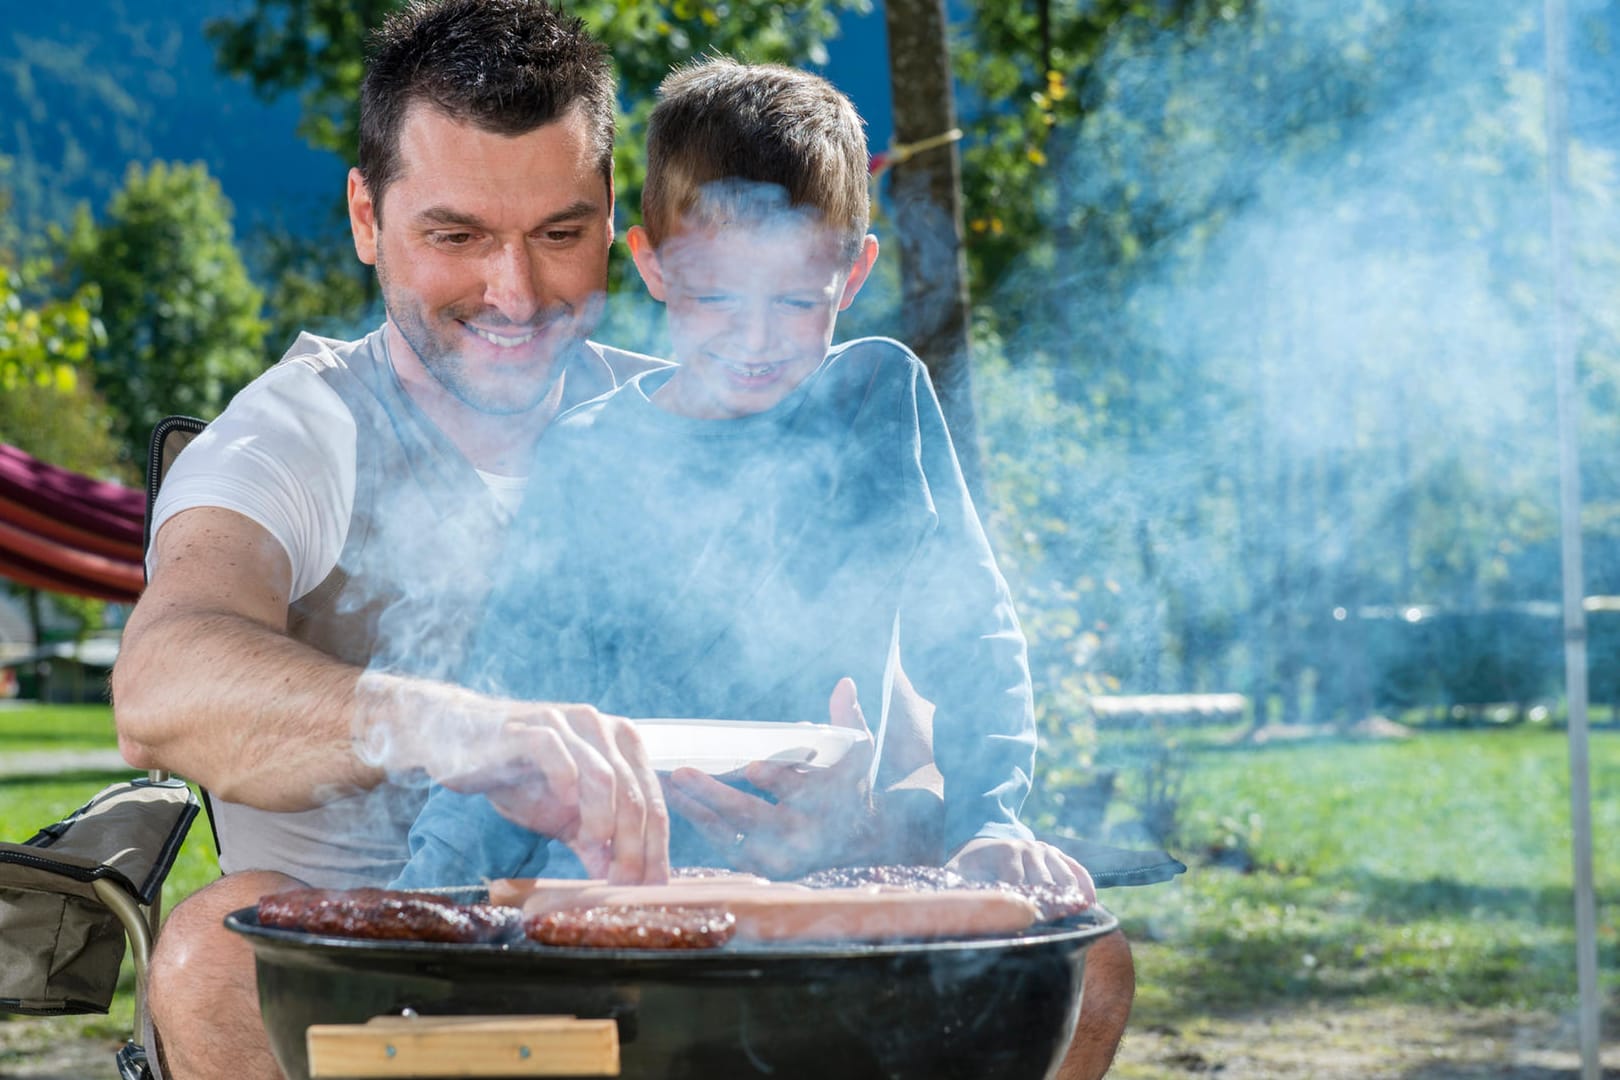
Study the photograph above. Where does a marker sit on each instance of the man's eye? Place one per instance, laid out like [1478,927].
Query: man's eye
[561,236]
[452,239]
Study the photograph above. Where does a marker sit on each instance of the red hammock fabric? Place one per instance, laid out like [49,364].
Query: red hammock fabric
[68,533]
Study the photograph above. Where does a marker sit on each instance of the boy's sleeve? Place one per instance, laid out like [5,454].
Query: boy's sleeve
[534,641]
[462,840]
[518,650]
[961,645]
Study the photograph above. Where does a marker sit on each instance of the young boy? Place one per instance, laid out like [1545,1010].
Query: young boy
[794,512]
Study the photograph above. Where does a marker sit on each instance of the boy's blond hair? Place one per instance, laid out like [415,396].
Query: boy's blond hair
[723,131]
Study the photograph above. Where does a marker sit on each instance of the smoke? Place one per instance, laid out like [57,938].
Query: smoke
[1292,302]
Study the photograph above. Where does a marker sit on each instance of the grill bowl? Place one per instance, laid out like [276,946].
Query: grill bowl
[978,1009]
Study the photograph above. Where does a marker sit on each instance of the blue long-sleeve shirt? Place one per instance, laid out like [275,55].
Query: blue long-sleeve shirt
[667,566]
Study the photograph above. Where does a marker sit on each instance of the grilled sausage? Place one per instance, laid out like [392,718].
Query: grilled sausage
[641,927]
[388,914]
[786,912]
[516,892]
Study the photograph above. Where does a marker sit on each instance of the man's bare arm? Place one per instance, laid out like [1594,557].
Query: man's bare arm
[209,686]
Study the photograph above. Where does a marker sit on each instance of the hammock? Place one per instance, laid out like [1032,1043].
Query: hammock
[67,533]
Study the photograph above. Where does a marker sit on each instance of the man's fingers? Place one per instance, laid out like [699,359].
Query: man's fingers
[571,772]
[598,784]
[620,814]
[653,858]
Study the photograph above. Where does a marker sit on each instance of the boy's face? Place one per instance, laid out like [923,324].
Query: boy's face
[751,310]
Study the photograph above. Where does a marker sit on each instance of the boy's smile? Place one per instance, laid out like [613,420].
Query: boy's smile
[752,309]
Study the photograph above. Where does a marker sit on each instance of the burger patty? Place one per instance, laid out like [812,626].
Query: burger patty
[927,878]
[1054,902]
[615,927]
[388,915]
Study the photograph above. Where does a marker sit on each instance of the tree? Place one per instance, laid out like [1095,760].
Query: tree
[48,407]
[44,341]
[183,329]
[315,48]
[1028,78]
[1285,289]
[926,192]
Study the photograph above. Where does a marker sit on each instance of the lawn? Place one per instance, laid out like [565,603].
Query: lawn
[25,728]
[1432,870]
[26,804]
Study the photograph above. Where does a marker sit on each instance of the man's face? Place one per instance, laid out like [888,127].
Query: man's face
[491,252]
[751,310]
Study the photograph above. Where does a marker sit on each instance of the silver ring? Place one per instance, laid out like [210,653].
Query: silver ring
[738,841]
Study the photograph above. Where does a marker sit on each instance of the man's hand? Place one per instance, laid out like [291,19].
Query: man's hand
[567,771]
[821,817]
[1020,862]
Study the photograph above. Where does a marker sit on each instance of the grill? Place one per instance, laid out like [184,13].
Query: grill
[978,1009]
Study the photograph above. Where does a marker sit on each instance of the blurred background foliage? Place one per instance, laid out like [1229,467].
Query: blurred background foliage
[1261,305]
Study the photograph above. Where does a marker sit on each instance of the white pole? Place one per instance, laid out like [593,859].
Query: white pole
[1555,32]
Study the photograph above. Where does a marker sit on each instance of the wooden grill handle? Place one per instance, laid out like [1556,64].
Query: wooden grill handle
[438,1046]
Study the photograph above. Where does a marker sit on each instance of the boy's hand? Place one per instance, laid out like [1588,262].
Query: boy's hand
[821,817]
[1021,862]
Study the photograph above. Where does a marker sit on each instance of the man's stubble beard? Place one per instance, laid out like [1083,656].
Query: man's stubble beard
[519,392]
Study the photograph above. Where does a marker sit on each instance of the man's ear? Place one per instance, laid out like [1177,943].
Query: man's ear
[362,218]
[857,273]
[646,257]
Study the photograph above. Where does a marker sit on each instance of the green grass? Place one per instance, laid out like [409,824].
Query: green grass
[27,804]
[27,728]
[1431,869]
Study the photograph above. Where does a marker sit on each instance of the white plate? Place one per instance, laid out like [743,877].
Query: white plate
[724,746]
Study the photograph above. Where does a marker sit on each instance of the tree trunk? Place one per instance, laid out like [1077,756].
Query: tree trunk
[927,196]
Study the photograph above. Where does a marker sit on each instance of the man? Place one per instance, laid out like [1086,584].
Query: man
[303,541]
[316,557]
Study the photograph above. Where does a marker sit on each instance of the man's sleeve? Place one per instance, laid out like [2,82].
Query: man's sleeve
[283,455]
[961,645]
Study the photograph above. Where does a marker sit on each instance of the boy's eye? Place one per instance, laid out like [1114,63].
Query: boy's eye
[794,303]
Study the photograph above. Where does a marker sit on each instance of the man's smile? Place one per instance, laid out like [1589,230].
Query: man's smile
[505,341]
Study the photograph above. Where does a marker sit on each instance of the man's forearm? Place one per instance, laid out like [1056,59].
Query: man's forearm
[243,710]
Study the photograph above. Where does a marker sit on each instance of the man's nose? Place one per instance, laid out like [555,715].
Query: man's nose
[511,284]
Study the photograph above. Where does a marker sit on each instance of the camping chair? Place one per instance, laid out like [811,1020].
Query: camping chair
[72,894]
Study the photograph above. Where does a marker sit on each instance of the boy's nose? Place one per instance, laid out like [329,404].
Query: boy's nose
[752,328]
[510,285]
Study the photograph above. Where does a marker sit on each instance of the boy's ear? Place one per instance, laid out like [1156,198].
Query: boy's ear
[858,272]
[646,257]
[362,218]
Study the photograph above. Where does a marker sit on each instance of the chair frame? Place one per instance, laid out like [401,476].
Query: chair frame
[141,926]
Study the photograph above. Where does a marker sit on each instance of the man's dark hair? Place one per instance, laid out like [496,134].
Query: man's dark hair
[505,66]
[722,130]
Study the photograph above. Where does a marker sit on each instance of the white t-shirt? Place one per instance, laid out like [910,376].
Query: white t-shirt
[282,454]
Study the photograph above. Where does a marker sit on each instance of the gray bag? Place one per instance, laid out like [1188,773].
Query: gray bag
[60,944]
